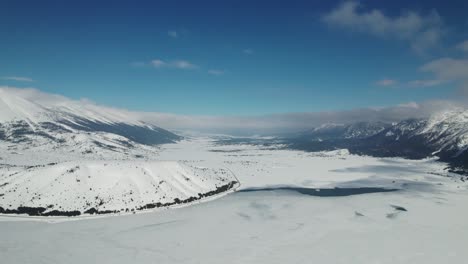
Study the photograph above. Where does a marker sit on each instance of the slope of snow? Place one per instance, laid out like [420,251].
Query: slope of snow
[105,185]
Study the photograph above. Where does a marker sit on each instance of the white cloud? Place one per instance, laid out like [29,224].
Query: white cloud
[387,82]
[17,78]
[36,95]
[445,70]
[448,68]
[463,46]
[174,64]
[173,34]
[413,105]
[182,64]
[216,72]
[425,83]
[421,31]
[158,63]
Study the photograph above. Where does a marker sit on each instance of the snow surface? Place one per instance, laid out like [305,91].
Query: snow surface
[106,185]
[256,166]
[257,228]
[425,222]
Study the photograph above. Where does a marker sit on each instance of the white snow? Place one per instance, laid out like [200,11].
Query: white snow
[187,168]
[242,227]
[269,226]
[105,185]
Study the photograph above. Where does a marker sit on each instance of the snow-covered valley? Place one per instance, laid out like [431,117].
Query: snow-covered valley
[423,221]
[81,183]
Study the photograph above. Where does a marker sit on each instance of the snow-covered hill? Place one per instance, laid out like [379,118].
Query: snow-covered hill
[64,157]
[77,187]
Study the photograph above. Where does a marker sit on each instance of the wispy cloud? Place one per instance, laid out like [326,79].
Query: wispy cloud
[425,83]
[421,31]
[448,68]
[158,63]
[182,64]
[17,78]
[216,72]
[387,82]
[172,64]
[413,83]
[175,64]
[173,34]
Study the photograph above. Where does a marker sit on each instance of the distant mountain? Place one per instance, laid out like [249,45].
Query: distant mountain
[444,135]
[345,131]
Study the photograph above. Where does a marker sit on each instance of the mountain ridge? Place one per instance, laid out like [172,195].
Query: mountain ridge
[443,135]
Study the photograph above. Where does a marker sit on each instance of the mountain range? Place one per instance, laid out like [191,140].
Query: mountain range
[443,135]
[71,157]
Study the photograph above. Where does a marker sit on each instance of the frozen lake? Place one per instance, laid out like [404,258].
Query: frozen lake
[260,227]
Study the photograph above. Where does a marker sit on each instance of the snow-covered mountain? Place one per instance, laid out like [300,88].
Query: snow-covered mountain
[345,131]
[65,157]
[446,131]
[444,135]
[29,115]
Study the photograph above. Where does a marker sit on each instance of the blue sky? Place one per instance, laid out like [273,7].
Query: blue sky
[237,57]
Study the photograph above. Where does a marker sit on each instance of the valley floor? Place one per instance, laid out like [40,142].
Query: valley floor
[424,221]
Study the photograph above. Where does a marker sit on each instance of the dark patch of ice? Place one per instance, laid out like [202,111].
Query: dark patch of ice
[331,192]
